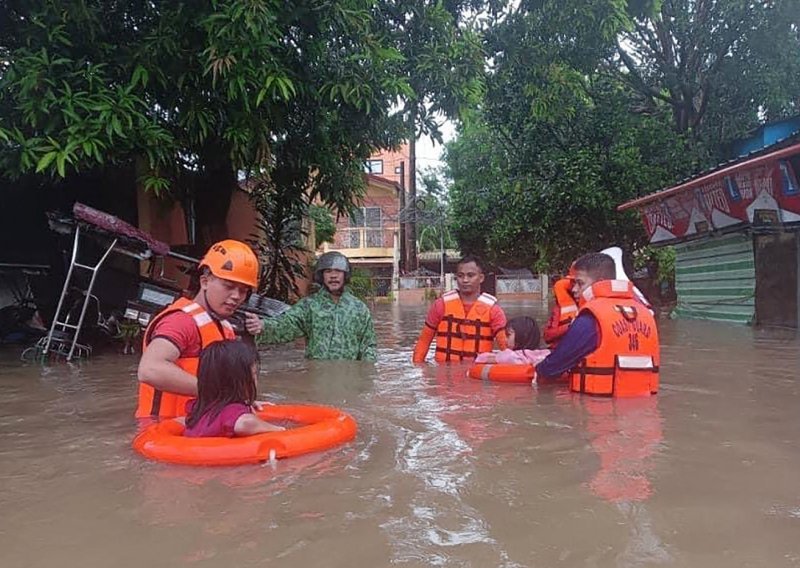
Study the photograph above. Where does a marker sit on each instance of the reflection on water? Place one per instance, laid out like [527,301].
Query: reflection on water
[445,471]
[625,433]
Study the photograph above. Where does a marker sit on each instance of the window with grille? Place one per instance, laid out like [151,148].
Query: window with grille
[370,220]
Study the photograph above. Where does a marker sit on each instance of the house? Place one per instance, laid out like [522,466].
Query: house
[370,238]
[735,230]
[169,222]
[390,164]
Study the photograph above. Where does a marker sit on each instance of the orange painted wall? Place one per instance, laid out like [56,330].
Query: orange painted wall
[164,219]
[242,225]
[391,160]
[242,219]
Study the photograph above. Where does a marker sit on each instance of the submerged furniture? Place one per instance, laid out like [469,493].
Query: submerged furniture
[114,235]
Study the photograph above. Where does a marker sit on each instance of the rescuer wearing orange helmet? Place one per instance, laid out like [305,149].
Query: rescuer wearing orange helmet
[175,337]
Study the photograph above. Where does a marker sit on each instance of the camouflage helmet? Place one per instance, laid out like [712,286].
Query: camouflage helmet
[332,260]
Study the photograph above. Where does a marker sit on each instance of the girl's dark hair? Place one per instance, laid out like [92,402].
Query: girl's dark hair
[225,376]
[526,332]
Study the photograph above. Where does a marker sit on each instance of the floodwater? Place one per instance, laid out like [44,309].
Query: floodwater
[445,471]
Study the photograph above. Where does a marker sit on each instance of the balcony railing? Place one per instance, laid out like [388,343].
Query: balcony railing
[361,237]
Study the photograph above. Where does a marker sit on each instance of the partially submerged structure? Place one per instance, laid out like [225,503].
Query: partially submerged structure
[735,231]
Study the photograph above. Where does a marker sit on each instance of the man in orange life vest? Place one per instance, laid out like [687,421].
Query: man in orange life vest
[464,322]
[176,336]
[612,346]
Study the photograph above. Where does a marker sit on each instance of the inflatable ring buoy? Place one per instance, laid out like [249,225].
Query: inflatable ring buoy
[322,427]
[502,372]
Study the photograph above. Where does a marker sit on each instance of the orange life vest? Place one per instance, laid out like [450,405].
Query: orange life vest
[157,403]
[564,313]
[627,359]
[462,336]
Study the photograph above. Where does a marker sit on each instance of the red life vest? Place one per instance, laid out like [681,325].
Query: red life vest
[157,403]
[564,312]
[626,362]
[462,336]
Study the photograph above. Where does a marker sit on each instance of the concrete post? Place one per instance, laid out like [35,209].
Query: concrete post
[545,279]
[396,265]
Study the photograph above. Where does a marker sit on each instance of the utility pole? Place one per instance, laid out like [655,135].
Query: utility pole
[441,259]
[411,228]
[401,219]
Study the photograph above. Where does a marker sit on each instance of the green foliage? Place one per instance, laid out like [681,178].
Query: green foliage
[660,262]
[295,95]
[719,66]
[128,330]
[361,284]
[280,240]
[568,128]
[439,60]
[324,226]
[89,83]
[432,213]
[545,197]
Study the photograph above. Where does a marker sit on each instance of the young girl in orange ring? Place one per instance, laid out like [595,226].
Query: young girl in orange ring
[226,393]
[523,338]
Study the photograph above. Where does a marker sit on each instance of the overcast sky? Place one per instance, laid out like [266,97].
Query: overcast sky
[429,155]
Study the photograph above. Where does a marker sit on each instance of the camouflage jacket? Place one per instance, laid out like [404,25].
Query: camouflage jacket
[342,330]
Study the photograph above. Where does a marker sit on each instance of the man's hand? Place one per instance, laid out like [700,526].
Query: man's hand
[253,324]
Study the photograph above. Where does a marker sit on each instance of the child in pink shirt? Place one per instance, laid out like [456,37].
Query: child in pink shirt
[226,393]
[523,344]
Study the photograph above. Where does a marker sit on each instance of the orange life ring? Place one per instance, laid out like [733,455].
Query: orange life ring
[502,372]
[322,427]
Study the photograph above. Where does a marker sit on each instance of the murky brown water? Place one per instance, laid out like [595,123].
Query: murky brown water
[445,471]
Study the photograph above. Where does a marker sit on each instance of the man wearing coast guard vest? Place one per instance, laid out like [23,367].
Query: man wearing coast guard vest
[174,339]
[612,347]
[464,322]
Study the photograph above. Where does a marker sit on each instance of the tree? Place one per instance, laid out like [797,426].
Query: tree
[324,226]
[544,208]
[578,116]
[432,210]
[530,164]
[197,91]
[441,62]
[280,241]
[720,65]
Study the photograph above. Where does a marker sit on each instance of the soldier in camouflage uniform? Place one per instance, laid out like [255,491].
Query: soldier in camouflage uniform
[336,324]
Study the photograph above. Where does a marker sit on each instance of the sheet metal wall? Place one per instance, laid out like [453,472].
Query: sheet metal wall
[715,279]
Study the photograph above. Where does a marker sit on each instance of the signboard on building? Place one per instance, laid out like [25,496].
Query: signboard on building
[767,193]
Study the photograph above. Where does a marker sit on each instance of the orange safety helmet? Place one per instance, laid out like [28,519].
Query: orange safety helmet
[232,260]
